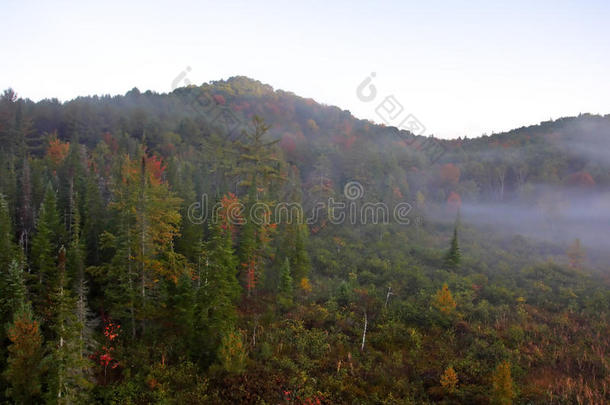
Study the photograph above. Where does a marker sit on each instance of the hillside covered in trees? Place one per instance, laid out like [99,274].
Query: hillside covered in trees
[145,257]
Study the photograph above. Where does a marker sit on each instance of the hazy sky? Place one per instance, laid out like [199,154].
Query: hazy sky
[462,68]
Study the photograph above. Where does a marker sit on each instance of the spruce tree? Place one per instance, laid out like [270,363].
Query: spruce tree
[68,370]
[454,256]
[44,246]
[76,271]
[7,247]
[25,350]
[215,313]
[286,283]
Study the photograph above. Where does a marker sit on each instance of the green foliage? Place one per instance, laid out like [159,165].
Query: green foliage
[454,256]
[232,352]
[67,367]
[115,179]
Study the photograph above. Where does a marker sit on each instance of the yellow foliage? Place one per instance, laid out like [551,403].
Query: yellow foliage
[306,285]
[503,390]
[443,300]
[449,379]
[313,125]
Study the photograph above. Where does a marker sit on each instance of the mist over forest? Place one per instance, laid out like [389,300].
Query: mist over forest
[493,289]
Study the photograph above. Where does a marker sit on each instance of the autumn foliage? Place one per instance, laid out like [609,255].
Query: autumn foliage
[105,357]
[57,150]
[503,390]
[449,174]
[25,354]
[449,380]
[443,300]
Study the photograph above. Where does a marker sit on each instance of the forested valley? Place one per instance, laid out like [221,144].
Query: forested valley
[144,258]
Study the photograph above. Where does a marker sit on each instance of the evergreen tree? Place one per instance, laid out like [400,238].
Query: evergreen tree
[8,183]
[293,234]
[76,267]
[218,292]
[576,255]
[257,169]
[232,352]
[7,247]
[26,209]
[44,246]
[285,288]
[148,222]
[95,215]
[286,283]
[12,296]
[454,256]
[67,378]
[257,164]
[25,351]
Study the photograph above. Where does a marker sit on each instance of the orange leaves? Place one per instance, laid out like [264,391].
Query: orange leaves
[230,213]
[338,241]
[288,143]
[24,335]
[397,193]
[454,202]
[313,125]
[155,168]
[581,179]
[449,380]
[219,99]
[250,270]
[111,142]
[449,174]
[111,329]
[443,300]
[57,150]
[24,363]
[105,357]
[233,353]
[152,166]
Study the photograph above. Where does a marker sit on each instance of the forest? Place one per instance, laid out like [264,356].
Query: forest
[144,258]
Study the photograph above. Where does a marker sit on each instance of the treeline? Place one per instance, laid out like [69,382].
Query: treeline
[113,293]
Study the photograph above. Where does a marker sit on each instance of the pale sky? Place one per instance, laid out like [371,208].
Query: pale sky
[462,68]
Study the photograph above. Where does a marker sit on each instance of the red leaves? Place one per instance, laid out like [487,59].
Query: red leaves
[450,174]
[230,213]
[105,357]
[581,179]
[111,142]
[155,168]
[251,277]
[57,150]
[397,193]
[111,330]
[288,143]
[293,397]
[454,202]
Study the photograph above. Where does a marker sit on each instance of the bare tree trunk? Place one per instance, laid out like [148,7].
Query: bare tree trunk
[131,291]
[387,297]
[364,331]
